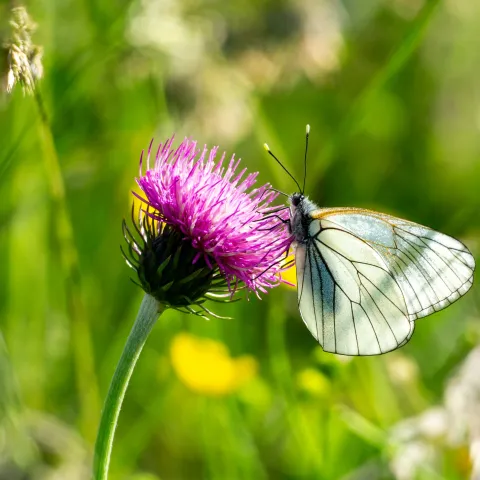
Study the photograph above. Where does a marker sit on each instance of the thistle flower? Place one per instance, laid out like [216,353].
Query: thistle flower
[203,232]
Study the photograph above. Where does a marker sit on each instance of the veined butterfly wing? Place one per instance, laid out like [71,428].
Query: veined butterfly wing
[347,298]
[364,277]
[432,269]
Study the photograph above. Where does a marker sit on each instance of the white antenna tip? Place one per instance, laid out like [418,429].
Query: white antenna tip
[266,147]
[308,129]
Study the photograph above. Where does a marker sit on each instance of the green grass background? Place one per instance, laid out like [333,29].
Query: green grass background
[390,89]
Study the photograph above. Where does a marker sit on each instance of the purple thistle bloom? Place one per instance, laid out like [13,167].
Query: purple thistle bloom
[229,225]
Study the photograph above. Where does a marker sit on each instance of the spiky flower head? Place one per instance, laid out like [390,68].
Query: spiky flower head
[23,58]
[204,232]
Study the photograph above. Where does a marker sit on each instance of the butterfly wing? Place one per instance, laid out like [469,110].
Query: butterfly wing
[347,297]
[364,277]
[432,269]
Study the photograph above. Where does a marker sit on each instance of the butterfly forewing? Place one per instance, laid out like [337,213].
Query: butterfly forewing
[364,277]
[432,269]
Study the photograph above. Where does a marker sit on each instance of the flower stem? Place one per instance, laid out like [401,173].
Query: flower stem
[148,314]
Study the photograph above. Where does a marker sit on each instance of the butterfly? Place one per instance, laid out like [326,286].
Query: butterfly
[364,277]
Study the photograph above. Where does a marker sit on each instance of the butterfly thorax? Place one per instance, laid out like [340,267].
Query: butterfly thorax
[300,216]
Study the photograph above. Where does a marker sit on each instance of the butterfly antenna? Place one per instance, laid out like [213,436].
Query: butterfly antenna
[307,134]
[267,148]
[278,191]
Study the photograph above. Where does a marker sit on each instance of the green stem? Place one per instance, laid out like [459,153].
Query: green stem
[148,314]
[83,354]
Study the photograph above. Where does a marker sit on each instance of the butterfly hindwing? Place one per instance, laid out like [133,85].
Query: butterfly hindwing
[347,297]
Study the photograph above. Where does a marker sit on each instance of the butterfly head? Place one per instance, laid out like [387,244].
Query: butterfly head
[300,215]
[296,199]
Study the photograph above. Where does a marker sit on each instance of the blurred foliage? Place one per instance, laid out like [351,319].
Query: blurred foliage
[390,89]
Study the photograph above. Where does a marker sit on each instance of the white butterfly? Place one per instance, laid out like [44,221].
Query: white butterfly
[364,277]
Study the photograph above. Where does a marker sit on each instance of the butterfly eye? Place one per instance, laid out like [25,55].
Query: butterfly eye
[296,199]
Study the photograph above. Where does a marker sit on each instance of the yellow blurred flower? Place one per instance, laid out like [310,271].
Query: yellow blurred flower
[205,366]
[290,275]
[313,382]
[136,202]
